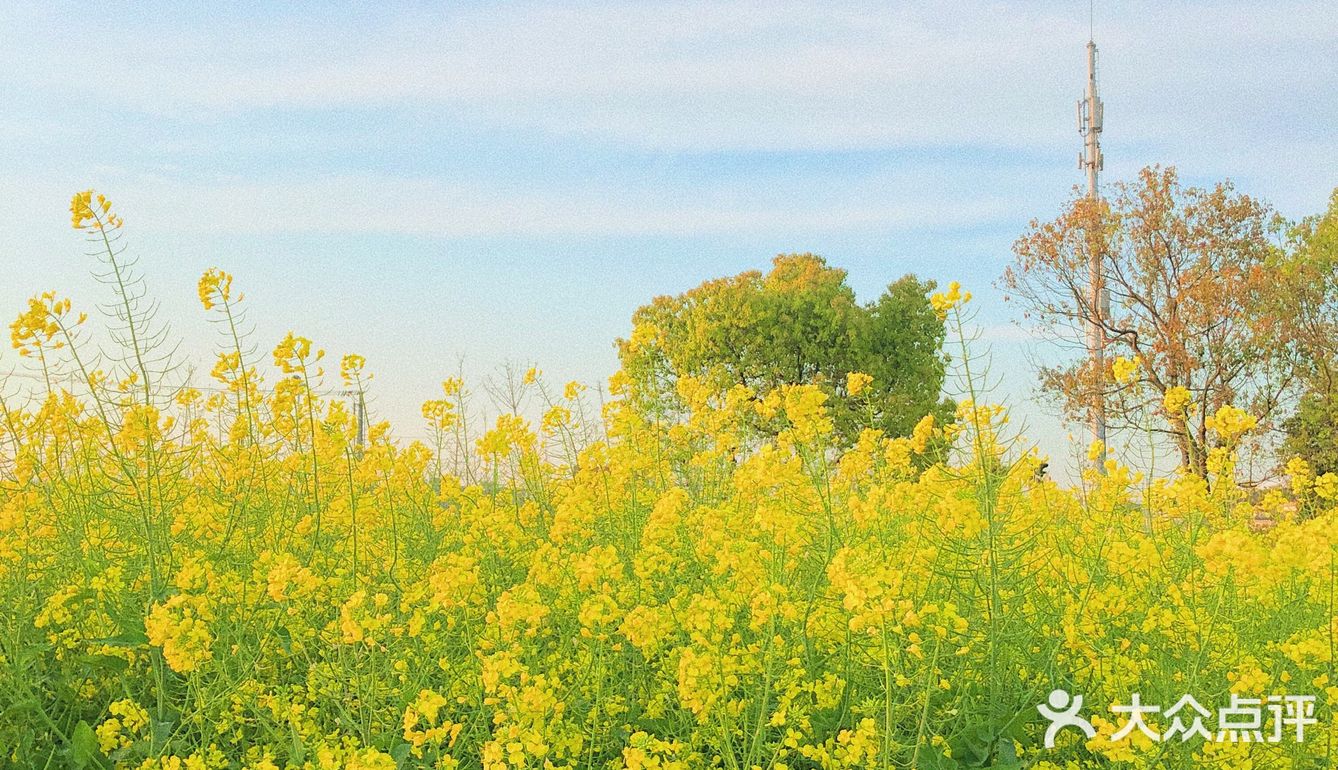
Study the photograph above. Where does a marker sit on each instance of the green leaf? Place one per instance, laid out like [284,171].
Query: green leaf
[1007,754]
[83,749]
[160,729]
[285,638]
[20,707]
[297,752]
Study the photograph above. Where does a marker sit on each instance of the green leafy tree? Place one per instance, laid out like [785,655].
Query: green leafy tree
[798,323]
[1312,432]
[1310,315]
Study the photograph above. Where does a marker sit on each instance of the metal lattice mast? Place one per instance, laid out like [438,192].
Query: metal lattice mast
[1092,161]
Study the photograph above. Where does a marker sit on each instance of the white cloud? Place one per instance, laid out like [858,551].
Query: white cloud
[1219,89]
[725,75]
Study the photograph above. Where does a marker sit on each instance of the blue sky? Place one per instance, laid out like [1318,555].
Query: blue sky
[436,183]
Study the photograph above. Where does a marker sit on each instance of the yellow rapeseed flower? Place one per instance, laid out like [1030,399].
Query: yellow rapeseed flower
[293,354]
[1124,369]
[123,726]
[944,302]
[40,325]
[180,627]
[1298,470]
[350,368]
[1176,400]
[1326,486]
[215,286]
[84,214]
[922,433]
[1096,450]
[1230,422]
[857,382]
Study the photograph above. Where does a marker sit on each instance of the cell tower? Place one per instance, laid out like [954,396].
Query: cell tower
[1092,161]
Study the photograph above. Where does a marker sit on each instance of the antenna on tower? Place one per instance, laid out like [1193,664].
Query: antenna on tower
[1090,160]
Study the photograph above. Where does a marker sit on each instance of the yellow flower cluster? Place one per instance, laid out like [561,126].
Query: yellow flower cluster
[180,626]
[39,326]
[123,727]
[804,409]
[1326,486]
[1124,369]
[1096,450]
[1230,422]
[857,382]
[512,433]
[293,354]
[215,287]
[943,302]
[351,368]
[85,214]
[1176,400]
[1300,474]
[922,434]
[423,726]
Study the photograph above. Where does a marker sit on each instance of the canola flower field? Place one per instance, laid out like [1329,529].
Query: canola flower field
[228,578]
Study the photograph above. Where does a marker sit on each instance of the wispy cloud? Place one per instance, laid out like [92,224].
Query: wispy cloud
[524,118]
[720,75]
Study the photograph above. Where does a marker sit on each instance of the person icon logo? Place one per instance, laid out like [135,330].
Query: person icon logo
[1062,712]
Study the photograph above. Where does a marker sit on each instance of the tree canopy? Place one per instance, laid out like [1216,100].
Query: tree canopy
[1197,317]
[1311,317]
[798,323]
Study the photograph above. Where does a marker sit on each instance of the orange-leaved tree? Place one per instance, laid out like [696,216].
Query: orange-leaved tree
[1193,280]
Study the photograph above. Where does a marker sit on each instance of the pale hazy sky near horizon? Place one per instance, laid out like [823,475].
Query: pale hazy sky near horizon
[431,183]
